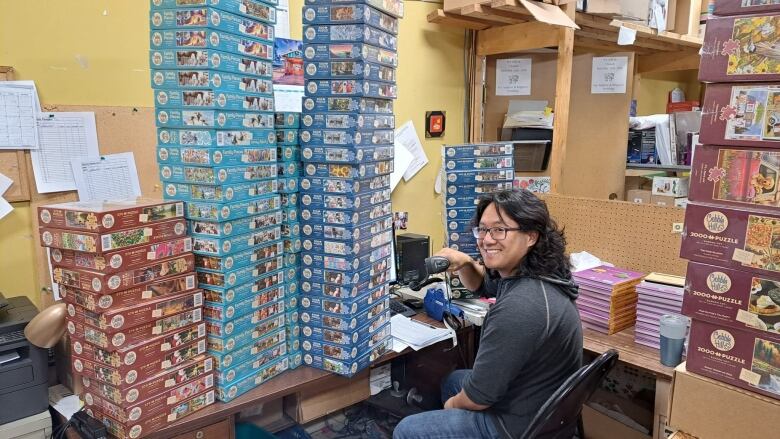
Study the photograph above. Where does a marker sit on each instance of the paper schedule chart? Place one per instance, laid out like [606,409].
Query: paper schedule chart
[63,137]
[18,112]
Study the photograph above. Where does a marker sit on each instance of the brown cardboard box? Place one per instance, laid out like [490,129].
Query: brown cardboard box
[664,200]
[633,9]
[639,196]
[600,426]
[710,409]
[315,403]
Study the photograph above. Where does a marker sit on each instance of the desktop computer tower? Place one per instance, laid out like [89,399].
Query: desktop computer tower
[411,250]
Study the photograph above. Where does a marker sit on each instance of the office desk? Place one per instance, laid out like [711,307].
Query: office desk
[641,357]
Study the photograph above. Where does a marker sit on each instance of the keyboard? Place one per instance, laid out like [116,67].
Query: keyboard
[398,307]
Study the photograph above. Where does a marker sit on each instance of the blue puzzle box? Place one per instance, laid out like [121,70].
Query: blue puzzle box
[199,17]
[219,193]
[245,305]
[493,162]
[204,38]
[348,33]
[464,191]
[252,287]
[210,59]
[341,352]
[289,169]
[350,14]
[287,120]
[464,213]
[349,155]
[248,8]
[469,249]
[329,262]
[324,231]
[214,138]
[372,274]
[222,328]
[239,259]
[217,174]
[209,211]
[178,118]
[461,238]
[287,185]
[207,99]
[288,153]
[460,225]
[350,52]
[255,272]
[349,368]
[350,87]
[480,176]
[477,150]
[223,246]
[290,214]
[235,227]
[358,70]
[344,121]
[287,136]
[349,137]
[289,200]
[292,260]
[344,217]
[376,287]
[223,298]
[231,391]
[347,105]
[296,360]
[345,170]
[230,156]
[292,245]
[248,351]
[342,323]
[345,186]
[211,80]
[345,201]
[240,370]
[291,230]
[349,337]
[392,7]
[229,343]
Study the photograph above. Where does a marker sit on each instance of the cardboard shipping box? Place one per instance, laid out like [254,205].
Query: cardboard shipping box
[312,404]
[639,196]
[707,408]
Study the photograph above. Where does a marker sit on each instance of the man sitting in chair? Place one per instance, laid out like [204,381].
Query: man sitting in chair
[531,338]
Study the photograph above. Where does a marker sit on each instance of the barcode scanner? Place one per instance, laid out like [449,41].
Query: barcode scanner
[433,265]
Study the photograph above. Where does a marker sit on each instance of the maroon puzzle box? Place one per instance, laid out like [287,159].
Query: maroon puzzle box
[96,242]
[157,385]
[741,114]
[113,339]
[745,178]
[130,374]
[122,299]
[145,427]
[744,7]
[107,283]
[741,358]
[741,49]
[124,318]
[727,237]
[121,260]
[733,298]
[98,216]
[148,351]
[151,406]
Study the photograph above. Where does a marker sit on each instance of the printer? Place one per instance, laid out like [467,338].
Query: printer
[24,379]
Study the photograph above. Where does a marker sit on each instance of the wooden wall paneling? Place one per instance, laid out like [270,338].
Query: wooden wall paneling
[629,235]
[119,129]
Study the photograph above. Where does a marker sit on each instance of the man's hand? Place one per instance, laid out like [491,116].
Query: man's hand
[462,401]
[457,259]
[449,403]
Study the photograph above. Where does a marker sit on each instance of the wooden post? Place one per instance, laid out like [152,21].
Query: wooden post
[477,96]
[562,98]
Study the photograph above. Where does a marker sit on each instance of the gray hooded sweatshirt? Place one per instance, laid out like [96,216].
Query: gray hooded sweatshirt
[531,343]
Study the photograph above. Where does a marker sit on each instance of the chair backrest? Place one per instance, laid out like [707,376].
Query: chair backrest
[562,408]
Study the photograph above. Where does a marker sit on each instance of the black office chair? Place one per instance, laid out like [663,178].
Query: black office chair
[564,407]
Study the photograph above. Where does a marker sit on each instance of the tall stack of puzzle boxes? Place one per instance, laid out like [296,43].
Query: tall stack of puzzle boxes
[471,171]
[213,92]
[134,313]
[732,227]
[347,133]
[289,156]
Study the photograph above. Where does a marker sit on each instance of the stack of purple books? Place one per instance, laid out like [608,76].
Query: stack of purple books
[655,300]
[607,301]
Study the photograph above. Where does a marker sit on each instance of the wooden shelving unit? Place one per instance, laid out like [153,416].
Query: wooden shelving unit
[503,27]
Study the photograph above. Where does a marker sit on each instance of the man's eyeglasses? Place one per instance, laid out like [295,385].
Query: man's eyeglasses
[497,233]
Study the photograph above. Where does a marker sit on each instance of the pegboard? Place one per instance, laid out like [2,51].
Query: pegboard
[635,236]
[119,129]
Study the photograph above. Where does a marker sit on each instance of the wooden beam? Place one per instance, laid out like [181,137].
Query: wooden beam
[582,43]
[668,62]
[510,6]
[516,38]
[562,101]
[486,13]
[444,18]
[477,99]
[669,37]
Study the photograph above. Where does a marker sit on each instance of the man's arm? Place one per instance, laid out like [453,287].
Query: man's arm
[462,401]
[469,271]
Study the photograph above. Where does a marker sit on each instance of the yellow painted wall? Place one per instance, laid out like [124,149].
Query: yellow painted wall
[90,52]
[654,88]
